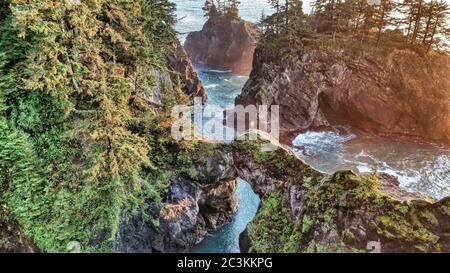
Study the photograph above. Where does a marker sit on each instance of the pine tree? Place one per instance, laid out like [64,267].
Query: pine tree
[70,131]
[437,18]
[210,9]
[383,17]
[234,8]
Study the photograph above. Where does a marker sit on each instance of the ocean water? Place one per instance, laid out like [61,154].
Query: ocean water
[419,167]
[226,240]
[222,88]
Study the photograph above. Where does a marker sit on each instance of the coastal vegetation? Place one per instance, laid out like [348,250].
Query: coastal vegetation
[79,142]
[87,162]
[416,24]
[221,8]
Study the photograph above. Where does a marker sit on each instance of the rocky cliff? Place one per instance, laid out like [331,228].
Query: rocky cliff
[183,70]
[199,201]
[302,209]
[178,75]
[402,93]
[224,43]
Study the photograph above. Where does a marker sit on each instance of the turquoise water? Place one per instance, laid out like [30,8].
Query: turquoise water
[222,88]
[226,240]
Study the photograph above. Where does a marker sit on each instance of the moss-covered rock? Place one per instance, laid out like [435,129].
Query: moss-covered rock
[309,211]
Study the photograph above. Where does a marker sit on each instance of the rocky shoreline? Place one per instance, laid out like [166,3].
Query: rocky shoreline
[399,94]
[304,210]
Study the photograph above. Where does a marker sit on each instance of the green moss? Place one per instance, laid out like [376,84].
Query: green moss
[403,225]
[327,197]
[271,230]
[348,235]
[278,163]
[307,223]
[445,208]
[429,217]
[337,247]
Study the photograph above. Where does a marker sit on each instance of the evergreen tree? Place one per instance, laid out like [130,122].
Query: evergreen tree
[234,8]
[75,142]
[210,9]
[383,17]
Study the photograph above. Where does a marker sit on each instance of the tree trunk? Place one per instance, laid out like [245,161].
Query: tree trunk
[427,27]
[417,23]
[381,24]
[433,33]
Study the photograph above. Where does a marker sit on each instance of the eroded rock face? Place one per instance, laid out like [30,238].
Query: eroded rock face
[193,208]
[183,70]
[308,211]
[304,209]
[402,94]
[224,43]
[12,239]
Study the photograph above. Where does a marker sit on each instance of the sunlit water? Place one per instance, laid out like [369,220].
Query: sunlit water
[419,167]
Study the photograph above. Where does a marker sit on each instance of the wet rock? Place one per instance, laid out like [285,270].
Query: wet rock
[217,205]
[244,242]
[187,215]
[303,210]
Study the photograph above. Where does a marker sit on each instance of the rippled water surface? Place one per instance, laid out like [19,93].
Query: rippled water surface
[419,167]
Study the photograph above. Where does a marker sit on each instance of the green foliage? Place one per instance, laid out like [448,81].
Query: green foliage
[271,231]
[420,24]
[221,8]
[78,145]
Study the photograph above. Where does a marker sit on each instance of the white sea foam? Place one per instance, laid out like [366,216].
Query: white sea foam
[211,86]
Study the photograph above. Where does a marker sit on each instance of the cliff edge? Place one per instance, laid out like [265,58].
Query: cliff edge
[400,93]
[224,43]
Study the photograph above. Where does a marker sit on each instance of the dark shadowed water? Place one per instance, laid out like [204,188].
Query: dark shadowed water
[419,167]
[226,240]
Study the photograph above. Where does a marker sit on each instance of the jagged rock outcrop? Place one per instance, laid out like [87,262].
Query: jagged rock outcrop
[197,203]
[12,239]
[183,70]
[302,210]
[401,94]
[224,43]
[180,72]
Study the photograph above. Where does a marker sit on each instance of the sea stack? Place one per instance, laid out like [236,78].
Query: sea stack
[224,43]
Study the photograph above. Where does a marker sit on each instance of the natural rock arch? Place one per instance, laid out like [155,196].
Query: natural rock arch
[319,212]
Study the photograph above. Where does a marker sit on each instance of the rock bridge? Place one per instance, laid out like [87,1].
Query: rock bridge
[317,212]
